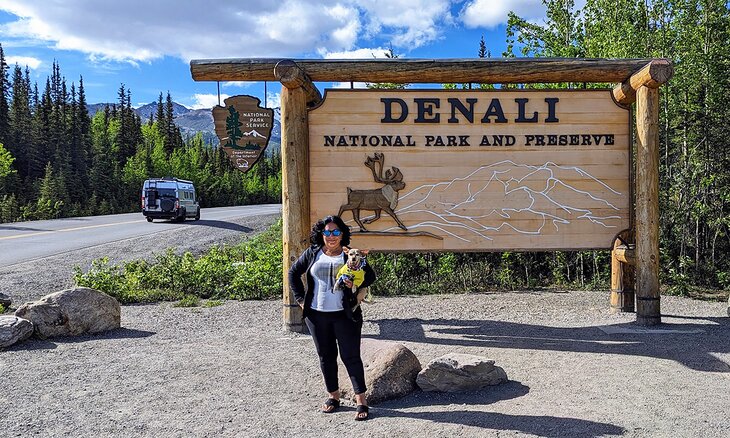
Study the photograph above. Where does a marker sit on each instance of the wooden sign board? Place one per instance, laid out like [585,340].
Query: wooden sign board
[243,128]
[441,170]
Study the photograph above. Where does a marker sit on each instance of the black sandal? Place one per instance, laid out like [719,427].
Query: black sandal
[362,409]
[330,405]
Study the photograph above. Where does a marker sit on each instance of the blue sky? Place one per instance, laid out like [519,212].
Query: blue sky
[148,45]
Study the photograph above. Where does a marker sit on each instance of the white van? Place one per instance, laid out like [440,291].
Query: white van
[169,198]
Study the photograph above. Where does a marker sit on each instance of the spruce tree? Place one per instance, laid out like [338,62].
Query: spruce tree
[4,89]
[84,124]
[19,140]
[482,48]
[160,117]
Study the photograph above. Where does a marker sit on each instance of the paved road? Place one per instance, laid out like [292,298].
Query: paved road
[25,241]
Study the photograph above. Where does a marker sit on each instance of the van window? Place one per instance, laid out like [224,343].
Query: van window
[166,193]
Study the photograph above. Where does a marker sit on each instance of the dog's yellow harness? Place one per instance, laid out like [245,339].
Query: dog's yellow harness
[357,276]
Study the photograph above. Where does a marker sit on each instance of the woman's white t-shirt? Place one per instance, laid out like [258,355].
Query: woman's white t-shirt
[324,271]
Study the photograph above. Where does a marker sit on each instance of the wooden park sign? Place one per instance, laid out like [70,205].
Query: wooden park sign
[472,170]
[243,128]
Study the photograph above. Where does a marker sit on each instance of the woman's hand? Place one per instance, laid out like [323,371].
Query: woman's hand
[348,282]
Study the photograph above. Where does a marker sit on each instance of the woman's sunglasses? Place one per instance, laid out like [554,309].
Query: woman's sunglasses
[329,233]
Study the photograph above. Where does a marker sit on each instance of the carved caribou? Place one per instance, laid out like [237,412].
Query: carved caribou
[377,200]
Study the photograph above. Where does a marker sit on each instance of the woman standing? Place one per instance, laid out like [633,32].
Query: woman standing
[328,310]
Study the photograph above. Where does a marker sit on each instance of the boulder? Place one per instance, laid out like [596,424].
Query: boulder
[390,371]
[72,312]
[460,372]
[5,300]
[14,329]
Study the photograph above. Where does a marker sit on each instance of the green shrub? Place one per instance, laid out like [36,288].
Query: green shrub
[250,270]
[724,279]
[2,309]
[253,270]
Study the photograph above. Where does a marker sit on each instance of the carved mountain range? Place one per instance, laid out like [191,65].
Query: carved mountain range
[508,196]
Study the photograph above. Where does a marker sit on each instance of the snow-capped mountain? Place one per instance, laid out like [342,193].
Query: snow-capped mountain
[253,133]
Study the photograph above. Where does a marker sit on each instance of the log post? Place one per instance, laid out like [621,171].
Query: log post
[622,278]
[647,207]
[295,191]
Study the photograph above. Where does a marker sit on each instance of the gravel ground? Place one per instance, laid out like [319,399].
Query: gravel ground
[231,371]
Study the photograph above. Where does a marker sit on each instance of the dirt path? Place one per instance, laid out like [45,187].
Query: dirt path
[574,370]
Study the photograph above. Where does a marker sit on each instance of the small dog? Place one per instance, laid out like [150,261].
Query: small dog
[353,270]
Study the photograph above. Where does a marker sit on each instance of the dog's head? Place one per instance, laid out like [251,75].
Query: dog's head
[355,258]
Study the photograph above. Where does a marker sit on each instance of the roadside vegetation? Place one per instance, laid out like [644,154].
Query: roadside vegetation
[253,270]
[249,270]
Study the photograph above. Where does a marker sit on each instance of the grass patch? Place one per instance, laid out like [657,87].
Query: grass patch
[213,303]
[249,270]
[696,293]
[188,301]
[2,309]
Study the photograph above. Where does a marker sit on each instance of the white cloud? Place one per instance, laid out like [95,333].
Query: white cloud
[22,61]
[345,35]
[491,13]
[202,101]
[273,100]
[410,23]
[141,31]
[366,53]
[349,85]
[239,84]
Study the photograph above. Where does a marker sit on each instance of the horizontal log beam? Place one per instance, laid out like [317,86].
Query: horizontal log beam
[487,70]
[652,75]
[625,255]
[292,76]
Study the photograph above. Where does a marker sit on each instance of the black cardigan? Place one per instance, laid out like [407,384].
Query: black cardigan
[303,265]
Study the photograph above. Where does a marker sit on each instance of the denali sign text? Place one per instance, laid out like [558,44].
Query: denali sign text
[427,110]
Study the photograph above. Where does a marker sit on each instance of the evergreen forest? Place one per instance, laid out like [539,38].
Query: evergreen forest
[694,191]
[59,162]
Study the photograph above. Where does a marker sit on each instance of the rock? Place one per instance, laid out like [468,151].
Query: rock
[728,306]
[5,300]
[72,312]
[14,329]
[460,372]
[390,371]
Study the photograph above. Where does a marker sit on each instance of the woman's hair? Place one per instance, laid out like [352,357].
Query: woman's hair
[316,235]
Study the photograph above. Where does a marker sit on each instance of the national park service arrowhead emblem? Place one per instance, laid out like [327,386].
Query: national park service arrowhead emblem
[243,128]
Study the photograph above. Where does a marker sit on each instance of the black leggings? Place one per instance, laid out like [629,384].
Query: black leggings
[330,330]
